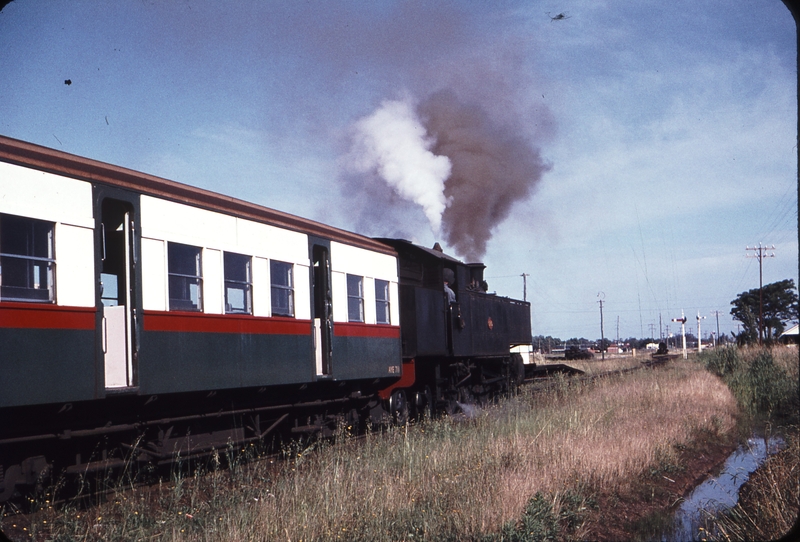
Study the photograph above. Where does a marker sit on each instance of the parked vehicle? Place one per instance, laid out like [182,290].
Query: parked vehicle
[574,352]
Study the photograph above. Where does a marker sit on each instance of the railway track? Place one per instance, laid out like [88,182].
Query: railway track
[89,489]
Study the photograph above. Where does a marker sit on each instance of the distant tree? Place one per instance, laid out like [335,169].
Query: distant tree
[780,305]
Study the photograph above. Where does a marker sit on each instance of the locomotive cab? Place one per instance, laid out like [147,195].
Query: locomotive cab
[477,324]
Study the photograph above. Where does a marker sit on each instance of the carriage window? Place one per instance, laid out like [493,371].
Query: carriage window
[282,279]
[109,289]
[355,298]
[27,260]
[185,277]
[238,284]
[382,301]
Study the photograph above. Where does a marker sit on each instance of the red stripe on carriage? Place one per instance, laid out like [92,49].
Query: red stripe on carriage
[224,323]
[46,316]
[351,329]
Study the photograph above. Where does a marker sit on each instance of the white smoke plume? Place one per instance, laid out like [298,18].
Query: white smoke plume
[393,143]
[462,166]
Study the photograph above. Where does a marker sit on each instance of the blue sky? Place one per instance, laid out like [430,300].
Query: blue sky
[660,138]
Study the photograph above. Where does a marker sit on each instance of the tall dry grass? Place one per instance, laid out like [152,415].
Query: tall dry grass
[439,480]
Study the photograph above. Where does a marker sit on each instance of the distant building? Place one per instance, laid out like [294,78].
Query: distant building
[791,335]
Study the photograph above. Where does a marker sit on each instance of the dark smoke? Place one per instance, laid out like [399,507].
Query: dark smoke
[494,166]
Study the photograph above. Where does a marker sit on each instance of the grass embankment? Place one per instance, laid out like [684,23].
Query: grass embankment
[537,465]
[766,384]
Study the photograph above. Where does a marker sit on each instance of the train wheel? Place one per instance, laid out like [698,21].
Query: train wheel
[423,403]
[398,407]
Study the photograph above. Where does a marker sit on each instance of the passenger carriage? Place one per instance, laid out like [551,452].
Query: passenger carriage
[129,301]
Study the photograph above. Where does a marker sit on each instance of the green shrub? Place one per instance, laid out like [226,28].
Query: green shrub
[770,387]
[760,385]
[539,522]
[558,518]
[722,361]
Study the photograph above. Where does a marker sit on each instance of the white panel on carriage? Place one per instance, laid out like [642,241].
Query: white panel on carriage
[363,262]
[268,241]
[154,275]
[213,282]
[261,288]
[339,295]
[36,194]
[302,292]
[114,337]
[162,219]
[74,266]
[369,265]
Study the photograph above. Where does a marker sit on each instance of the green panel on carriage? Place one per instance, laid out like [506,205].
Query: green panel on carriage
[171,362]
[356,358]
[46,366]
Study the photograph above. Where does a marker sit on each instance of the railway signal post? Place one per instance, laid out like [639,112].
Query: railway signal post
[682,320]
[699,341]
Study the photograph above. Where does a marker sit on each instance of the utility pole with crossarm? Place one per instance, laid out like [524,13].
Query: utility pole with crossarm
[760,253]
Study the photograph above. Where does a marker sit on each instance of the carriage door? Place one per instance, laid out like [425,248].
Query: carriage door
[117,292]
[322,306]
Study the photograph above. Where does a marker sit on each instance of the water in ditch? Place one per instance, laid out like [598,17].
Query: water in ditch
[720,492]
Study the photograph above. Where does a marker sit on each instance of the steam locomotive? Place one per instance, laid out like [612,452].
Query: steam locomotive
[142,319]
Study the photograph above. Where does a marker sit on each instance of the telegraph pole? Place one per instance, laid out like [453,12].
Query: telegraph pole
[525,286]
[759,252]
[602,336]
[716,313]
